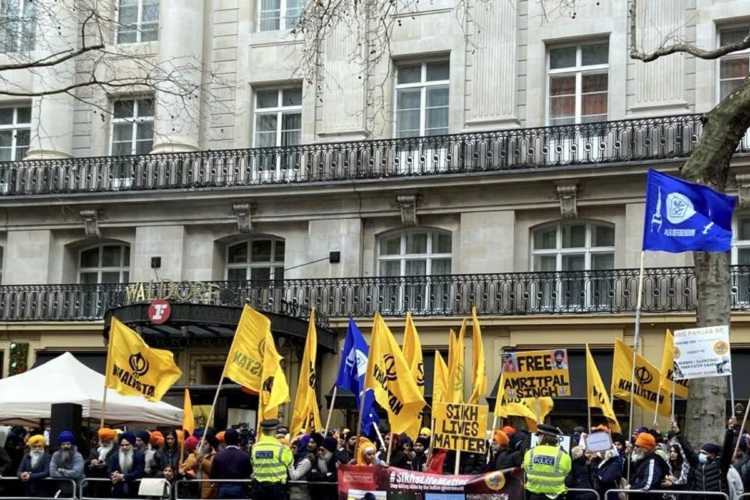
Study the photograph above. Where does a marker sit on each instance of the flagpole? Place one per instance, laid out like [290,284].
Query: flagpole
[390,448]
[636,340]
[742,427]
[213,405]
[359,420]
[731,392]
[656,408]
[456,468]
[330,409]
[107,370]
[377,433]
[673,399]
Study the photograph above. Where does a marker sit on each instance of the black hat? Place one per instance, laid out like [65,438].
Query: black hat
[550,430]
[269,424]
[231,437]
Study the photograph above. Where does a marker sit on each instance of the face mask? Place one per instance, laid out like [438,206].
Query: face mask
[702,458]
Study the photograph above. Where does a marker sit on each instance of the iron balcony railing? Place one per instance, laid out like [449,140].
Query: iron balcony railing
[666,137]
[611,291]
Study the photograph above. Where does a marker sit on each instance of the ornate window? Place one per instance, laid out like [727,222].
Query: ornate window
[741,257]
[422,99]
[133,126]
[278,117]
[259,259]
[575,251]
[106,263]
[15,132]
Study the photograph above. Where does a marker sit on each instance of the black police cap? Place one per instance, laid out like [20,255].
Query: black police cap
[269,424]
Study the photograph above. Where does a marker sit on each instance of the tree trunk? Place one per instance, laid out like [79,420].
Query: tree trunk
[723,129]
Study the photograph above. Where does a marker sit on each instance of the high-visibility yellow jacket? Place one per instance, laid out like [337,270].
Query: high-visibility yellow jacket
[271,460]
[546,468]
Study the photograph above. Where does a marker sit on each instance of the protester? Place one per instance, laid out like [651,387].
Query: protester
[34,467]
[5,461]
[504,457]
[679,468]
[648,469]
[66,463]
[151,455]
[581,475]
[206,458]
[607,469]
[709,467]
[231,463]
[419,459]
[170,452]
[126,468]
[324,471]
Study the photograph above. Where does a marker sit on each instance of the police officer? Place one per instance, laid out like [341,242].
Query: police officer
[271,461]
[546,466]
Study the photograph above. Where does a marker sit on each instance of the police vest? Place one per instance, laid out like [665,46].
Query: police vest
[546,468]
[268,462]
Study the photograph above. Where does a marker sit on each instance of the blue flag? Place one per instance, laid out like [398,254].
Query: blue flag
[682,216]
[351,377]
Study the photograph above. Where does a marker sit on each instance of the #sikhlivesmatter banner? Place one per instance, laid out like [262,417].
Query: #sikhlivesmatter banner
[361,482]
[460,426]
[536,374]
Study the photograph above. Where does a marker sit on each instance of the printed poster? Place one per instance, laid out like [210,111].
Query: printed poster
[536,374]
[702,352]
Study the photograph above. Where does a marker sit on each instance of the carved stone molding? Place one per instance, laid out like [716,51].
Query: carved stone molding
[407,204]
[568,196]
[244,214]
[91,223]
[743,188]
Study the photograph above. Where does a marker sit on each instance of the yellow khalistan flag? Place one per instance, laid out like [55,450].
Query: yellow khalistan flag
[188,420]
[274,389]
[479,383]
[413,356]
[533,409]
[456,366]
[389,376]
[135,369]
[645,387]
[597,393]
[306,416]
[245,359]
[667,370]
[440,380]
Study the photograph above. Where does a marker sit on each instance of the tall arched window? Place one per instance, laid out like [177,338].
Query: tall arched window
[105,263]
[260,259]
[415,252]
[578,250]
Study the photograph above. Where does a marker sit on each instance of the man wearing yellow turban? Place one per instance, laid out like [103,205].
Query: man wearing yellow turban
[34,467]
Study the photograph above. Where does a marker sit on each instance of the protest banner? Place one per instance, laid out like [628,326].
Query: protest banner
[598,441]
[565,442]
[536,374]
[358,482]
[702,352]
[460,426]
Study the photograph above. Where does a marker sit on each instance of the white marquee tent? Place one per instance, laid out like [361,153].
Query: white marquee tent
[28,397]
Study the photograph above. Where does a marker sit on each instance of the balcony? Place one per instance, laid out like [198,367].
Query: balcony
[666,290]
[637,140]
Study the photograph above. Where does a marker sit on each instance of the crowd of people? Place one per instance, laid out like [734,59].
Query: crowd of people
[120,459]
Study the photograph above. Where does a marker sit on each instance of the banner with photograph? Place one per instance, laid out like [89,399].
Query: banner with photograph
[460,426]
[702,352]
[536,374]
[361,482]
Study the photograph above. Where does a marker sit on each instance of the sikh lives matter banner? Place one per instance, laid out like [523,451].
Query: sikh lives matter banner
[460,426]
[536,374]
[361,482]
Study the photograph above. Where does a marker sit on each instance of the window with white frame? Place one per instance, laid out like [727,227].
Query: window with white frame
[734,67]
[275,15]
[278,117]
[105,263]
[132,126]
[573,246]
[422,91]
[255,260]
[416,252]
[137,21]
[577,84]
[17,25]
[15,132]
[741,257]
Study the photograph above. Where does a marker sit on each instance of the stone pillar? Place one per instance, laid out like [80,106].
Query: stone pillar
[177,120]
[52,115]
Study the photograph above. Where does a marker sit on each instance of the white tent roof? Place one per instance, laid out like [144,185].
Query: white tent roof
[29,396]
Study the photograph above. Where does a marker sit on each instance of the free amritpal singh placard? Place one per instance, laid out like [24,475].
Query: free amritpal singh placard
[460,426]
[536,374]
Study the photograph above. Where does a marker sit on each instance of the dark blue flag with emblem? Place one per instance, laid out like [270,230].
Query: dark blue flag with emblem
[351,377]
[682,216]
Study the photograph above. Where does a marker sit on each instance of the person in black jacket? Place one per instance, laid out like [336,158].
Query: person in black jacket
[324,471]
[580,476]
[708,467]
[648,469]
[419,460]
[34,468]
[231,463]
[607,469]
[504,457]
[126,468]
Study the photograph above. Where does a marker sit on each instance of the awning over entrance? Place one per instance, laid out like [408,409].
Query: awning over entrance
[201,324]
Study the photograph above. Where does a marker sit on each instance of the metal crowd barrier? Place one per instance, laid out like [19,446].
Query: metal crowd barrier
[676,493]
[47,485]
[167,494]
[585,490]
[179,491]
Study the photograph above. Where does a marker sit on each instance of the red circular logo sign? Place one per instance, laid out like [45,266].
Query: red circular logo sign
[159,311]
